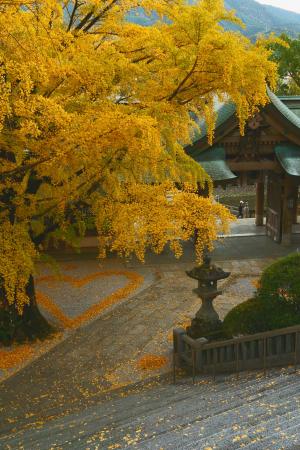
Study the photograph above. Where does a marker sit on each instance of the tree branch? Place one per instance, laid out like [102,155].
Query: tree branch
[21,169]
[99,16]
[91,180]
[37,240]
[73,15]
[84,21]
[181,84]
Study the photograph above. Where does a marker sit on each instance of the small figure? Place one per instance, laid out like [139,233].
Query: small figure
[241,208]
[246,211]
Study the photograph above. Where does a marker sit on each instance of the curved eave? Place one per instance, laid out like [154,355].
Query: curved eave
[213,162]
[286,112]
[226,121]
[283,118]
[289,158]
[278,115]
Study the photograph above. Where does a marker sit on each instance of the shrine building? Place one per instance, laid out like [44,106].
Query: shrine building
[267,155]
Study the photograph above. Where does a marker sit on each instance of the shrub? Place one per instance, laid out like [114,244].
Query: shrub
[276,304]
[281,281]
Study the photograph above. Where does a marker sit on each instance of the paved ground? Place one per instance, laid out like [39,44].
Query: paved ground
[232,248]
[252,413]
[80,285]
[104,353]
[247,227]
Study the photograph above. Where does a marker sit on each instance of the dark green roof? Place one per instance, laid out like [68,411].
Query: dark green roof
[213,162]
[283,109]
[213,159]
[292,102]
[290,112]
[288,97]
[223,113]
[296,111]
[289,157]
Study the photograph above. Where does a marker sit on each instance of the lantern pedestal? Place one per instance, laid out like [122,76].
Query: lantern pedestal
[206,321]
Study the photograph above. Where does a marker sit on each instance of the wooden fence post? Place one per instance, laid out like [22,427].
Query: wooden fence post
[237,360]
[174,367]
[265,355]
[194,364]
[296,351]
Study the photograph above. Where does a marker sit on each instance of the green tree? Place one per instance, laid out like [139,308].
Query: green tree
[288,60]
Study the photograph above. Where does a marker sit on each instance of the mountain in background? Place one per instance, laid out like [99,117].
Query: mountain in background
[264,18]
[258,18]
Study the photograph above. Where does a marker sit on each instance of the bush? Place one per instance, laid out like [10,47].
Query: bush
[276,304]
[257,315]
[281,281]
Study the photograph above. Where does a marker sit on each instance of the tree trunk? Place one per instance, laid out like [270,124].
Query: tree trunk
[30,325]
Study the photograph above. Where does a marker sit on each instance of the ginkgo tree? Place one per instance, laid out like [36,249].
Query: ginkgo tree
[95,112]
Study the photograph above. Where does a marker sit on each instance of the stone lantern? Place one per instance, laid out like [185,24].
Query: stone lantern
[206,321]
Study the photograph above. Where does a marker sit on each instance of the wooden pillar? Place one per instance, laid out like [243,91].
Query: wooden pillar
[260,201]
[295,210]
[244,179]
[288,213]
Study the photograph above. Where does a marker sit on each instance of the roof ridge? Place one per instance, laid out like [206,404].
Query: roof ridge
[228,109]
[283,109]
[288,97]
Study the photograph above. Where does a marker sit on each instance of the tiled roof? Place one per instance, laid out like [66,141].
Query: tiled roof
[227,110]
[283,109]
[288,97]
[213,159]
[289,157]
[213,162]
[223,113]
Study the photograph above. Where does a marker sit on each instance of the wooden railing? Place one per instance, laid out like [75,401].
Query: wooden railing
[273,225]
[257,351]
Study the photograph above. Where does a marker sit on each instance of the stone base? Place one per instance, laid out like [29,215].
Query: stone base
[202,328]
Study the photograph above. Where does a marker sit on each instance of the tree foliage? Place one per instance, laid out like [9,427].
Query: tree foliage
[95,112]
[288,59]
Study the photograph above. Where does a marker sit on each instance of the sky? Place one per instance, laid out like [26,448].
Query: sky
[291,5]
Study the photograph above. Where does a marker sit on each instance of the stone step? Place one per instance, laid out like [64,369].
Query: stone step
[221,431]
[186,394]
[254,424]
[171,436]
[222,415]
[288,438]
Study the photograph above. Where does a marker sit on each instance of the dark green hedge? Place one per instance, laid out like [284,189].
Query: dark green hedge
[281,280]
[276,304]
